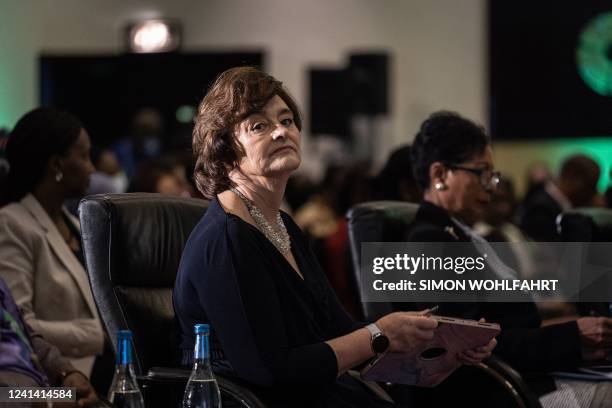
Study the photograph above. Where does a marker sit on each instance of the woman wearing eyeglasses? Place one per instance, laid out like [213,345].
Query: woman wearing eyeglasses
[452,161]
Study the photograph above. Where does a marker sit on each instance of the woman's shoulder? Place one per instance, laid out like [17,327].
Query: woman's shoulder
[20,229]
[12,210]
[431,224]
[424,231]
[216,230]
[16,217]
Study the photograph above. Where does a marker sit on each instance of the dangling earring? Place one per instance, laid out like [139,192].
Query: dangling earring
[59,176]
[440,186]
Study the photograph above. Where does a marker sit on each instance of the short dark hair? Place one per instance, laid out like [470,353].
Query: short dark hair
[235,94]
[583,168]
[445,137]
[395,175]
[38,135]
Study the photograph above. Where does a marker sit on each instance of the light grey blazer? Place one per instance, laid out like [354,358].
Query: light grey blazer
[48,282]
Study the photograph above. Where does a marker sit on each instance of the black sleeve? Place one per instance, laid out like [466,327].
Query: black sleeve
[428,233]
[425,232]
[343,322]
[239,297]
[555,347]
[539,223]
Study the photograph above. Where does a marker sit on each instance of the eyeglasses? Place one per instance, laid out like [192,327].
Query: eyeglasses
[489,179]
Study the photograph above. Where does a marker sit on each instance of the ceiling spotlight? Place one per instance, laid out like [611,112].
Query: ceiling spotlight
[159,35]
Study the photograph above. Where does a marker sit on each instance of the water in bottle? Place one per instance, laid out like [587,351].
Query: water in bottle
[202,390]
[124,391]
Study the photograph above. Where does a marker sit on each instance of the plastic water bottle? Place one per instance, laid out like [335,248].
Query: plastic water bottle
[202,390]
[124,391]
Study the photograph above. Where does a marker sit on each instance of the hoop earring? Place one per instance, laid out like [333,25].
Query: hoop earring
[440,186]
[59,176]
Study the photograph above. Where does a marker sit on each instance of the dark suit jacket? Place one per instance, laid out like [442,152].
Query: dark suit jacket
[522,342]
[539,215]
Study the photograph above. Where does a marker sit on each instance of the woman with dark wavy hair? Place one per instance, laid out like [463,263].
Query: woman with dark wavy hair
[248,272]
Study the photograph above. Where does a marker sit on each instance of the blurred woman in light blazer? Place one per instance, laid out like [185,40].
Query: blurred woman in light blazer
[41,259]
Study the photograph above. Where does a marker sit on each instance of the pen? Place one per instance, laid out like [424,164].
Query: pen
[431,310]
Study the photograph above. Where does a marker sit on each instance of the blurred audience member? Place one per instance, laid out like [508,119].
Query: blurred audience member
[538,175]
[144,141]
[396,180]
[575,187]
[182,164]
[161,176]
[322,218]
[28,360]
[108,177]
[300,188]
[41,259]
[498,225]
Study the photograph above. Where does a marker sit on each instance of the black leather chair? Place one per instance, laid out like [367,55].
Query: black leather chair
[587,224]
[132,245]
[376,221]
[493,383]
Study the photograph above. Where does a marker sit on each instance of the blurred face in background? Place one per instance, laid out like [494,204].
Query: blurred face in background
[169,184]
[503,204]
[108,163]
[271,141]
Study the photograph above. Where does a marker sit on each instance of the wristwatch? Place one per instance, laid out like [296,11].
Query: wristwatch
[378,341]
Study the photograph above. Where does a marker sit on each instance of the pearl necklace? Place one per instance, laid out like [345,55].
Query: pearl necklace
[279,237]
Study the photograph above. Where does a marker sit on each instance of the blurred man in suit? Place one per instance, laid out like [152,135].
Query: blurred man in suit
[575,187]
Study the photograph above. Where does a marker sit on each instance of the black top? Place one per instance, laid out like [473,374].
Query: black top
[522,342]
[268,326]
[75,231]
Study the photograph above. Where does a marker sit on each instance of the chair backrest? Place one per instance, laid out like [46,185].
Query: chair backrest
[586,225]
[376,221]
[389,221]
[132,245]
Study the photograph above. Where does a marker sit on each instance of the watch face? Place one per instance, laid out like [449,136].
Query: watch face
[380,344]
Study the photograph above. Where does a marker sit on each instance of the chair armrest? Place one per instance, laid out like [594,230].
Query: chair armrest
[239,392]
[168,384]
[169,373]
[515,383]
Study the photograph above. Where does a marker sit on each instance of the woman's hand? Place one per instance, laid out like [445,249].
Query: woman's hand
[86,395]
[595,336]
[477,354]
[407,330]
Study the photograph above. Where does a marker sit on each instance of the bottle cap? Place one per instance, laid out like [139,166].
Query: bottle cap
[201,328]
[124,334]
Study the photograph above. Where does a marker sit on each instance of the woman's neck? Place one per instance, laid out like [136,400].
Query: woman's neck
[267,193]
[433,197]
[50,199]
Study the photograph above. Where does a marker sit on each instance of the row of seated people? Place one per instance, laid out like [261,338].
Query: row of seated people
[320,210]
[247,269]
